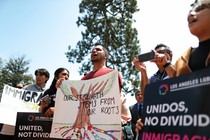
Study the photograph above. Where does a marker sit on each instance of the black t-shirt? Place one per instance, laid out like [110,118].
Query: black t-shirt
[199,55]
[52,94]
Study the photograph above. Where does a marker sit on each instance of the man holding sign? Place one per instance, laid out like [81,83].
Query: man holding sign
[99,56]
[194,59]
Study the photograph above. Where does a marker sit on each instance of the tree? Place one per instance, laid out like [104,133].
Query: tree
[15,71]
[109,23]
[1,64]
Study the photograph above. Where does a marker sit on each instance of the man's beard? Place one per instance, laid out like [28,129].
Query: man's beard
[94,60]
[97,58]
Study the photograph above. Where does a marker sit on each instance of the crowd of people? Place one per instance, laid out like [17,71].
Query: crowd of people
[192,60]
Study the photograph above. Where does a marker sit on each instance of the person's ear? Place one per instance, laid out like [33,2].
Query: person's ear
[106,55]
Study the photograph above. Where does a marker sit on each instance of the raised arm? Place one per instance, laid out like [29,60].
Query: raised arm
[141,67]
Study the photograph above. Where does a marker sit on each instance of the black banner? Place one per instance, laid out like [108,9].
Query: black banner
[33,126]
[178,108]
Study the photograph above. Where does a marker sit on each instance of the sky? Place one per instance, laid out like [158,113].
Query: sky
[164,21]
[43,29]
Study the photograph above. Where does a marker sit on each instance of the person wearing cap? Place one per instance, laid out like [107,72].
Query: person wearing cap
[42,76]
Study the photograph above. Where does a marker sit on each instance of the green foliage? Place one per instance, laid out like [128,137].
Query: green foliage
[108,22]
[15,71]
[1,64]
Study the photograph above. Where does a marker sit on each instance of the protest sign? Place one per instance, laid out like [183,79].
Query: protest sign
[33,126]
[178,108]
[17,100]
[88,109]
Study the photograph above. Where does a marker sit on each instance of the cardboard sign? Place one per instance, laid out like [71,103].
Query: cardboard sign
[17,100]
[88,109]
[178,108]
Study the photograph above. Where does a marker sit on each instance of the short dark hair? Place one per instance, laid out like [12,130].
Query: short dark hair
[137,92]
[196,2]
[193,4]
[168,49]
[104,48]
[43,71]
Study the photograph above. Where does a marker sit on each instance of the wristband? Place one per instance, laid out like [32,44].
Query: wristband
[166,65]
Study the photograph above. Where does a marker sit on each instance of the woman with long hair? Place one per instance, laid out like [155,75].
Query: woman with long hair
[47,103]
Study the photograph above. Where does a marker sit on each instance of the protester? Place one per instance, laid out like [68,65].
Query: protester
[42,76]
[161,74]
[99,55]
[194,58]
[136,111]
[48,101]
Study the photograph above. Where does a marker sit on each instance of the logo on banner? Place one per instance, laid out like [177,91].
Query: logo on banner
[31,117]
[163,89]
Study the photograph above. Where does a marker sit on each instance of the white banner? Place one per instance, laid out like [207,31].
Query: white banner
[88,109]
[17,100]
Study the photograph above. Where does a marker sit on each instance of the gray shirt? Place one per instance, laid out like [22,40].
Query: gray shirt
[34,87]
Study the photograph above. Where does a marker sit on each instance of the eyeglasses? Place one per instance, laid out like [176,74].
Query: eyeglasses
[198,8]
